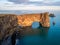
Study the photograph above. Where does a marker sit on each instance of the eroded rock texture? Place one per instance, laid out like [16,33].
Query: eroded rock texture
[28,19]
[8,24]
[11,22]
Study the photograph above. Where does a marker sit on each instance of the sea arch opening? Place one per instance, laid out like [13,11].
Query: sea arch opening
[36,24]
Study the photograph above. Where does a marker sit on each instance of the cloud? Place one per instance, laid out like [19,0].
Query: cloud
[53,4]
[47,3]
[27,7]
[30,5]
[56,3]
[18,1]
[37,2]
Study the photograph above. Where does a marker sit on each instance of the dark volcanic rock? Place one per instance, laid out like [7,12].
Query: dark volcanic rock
[52,15]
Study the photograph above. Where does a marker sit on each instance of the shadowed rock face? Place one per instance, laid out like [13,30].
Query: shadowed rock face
[11,22]
[8,24]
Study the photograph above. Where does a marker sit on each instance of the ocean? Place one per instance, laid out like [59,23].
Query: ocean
[47,36]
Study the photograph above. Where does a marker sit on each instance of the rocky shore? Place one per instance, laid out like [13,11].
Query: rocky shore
[9,23]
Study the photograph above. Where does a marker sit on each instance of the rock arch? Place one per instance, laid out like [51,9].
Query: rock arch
[28,19]
[36,24]
[10,22]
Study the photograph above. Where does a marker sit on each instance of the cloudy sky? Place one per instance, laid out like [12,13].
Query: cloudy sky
[29,4]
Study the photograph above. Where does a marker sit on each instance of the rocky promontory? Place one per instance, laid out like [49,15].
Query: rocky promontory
[9,23]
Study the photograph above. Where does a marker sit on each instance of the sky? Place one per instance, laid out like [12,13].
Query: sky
[29,4]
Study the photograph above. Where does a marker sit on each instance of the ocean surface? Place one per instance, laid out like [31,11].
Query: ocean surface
[47,36]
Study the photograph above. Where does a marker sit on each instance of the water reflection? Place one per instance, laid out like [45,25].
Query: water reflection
[35,37]
[43,31]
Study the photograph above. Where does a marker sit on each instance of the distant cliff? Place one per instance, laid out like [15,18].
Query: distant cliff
[11,22]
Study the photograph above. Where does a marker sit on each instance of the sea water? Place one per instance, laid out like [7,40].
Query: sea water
[47,36]
[50,36]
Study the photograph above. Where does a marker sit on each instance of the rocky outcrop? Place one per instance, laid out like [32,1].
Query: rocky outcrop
[52,15]
[11,22]
[8,24]
[28,19]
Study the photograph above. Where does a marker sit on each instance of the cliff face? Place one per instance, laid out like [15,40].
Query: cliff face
[10,22]
[28,19]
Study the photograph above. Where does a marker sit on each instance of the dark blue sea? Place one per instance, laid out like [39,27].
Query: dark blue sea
[47,36]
